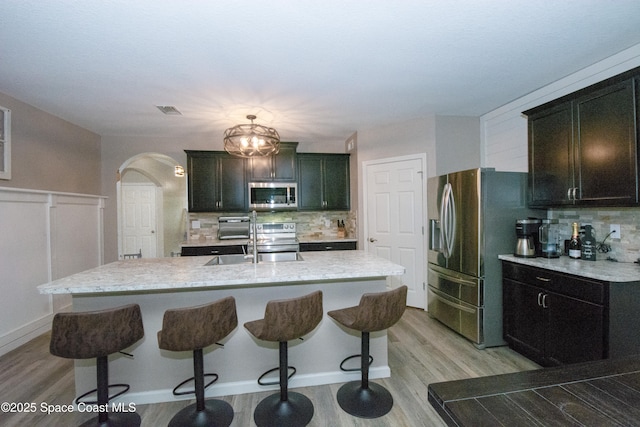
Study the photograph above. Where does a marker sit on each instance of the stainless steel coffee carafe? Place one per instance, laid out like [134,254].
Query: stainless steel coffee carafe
[527,237]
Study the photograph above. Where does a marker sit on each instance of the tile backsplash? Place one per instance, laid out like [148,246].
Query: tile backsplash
[310,225]
[624,249]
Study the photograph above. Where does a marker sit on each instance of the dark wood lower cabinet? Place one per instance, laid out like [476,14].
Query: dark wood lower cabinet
[552,327]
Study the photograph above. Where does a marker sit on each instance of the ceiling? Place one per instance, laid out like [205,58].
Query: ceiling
[315,70]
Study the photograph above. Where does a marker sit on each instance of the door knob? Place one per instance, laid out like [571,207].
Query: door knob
[371,239]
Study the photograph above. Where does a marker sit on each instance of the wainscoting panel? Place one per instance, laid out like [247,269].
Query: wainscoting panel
[43,236]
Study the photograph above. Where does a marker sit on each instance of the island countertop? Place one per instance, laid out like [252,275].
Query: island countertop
[184,273]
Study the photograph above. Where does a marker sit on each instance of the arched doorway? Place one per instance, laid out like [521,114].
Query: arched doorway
[152,206]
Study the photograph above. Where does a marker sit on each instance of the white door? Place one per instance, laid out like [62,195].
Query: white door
[139,219]
[394,215]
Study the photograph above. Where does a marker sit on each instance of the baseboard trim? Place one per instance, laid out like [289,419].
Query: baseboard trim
[243,387]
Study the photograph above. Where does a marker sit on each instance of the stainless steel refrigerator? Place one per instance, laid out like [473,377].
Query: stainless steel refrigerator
[472,218]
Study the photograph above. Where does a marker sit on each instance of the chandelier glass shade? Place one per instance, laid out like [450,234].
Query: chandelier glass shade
[251,140]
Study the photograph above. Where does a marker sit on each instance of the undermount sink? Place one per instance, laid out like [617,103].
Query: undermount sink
[264,257]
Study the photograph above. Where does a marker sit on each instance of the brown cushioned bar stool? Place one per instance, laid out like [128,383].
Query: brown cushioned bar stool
[285,320]
[376,312]
[97,334]
[192,329]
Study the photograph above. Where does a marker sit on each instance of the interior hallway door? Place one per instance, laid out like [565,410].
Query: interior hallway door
[395,221]
[139,219]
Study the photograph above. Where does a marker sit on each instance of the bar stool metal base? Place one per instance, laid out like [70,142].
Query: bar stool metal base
[116,419]
[371,402]
[216,413]
[297,410]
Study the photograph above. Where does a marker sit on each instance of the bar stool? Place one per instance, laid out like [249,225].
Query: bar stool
[376,312]
[285,320]
[97,334]
[192,329]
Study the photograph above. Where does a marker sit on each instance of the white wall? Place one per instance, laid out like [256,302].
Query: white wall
[45,236]
[504,130]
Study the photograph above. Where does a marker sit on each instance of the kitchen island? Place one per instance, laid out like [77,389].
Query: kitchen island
[162,283]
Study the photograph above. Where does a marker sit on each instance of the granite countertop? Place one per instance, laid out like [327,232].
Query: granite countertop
[183,273]
[609,271]
[227,242]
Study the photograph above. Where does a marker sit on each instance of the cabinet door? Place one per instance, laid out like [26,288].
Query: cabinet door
[310,182]
[551,156]
[336,183]
[232,183]
[203,195]
[574,330]
[523,319]
[281,167]
[260,169]
[285,163]
[606,155]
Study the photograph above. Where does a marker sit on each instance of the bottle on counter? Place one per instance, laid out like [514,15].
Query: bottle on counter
[575,245]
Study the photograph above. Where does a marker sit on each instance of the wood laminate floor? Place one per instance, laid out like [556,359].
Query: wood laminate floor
[421,351]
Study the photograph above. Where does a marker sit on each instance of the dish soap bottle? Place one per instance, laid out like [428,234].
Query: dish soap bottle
[575,245]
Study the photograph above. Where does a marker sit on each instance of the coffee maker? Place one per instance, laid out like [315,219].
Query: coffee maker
[527,243]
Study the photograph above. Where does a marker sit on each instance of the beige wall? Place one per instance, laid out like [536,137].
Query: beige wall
[48,153]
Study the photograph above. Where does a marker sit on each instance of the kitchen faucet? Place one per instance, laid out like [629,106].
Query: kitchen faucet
[254,221]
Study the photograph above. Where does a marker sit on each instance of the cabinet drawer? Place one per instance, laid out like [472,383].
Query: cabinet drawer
[212,250]
[327,246]
[578,287]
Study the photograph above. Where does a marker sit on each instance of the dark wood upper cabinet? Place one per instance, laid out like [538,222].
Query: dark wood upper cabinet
[606,152]
[216,182]
[281,167]
[550,156]
[583,148]
[323,182]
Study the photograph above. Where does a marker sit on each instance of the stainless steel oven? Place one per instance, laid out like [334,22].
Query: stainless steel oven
[275,237]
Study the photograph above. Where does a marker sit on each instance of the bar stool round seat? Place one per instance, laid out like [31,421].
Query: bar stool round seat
[376,312]
[193,329]
[285,320]
[97,334]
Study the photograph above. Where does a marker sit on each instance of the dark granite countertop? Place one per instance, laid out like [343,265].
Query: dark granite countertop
[603,392]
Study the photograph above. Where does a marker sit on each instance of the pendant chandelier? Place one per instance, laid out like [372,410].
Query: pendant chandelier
[251,140]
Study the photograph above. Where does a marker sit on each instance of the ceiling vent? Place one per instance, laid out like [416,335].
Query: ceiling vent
[169,110]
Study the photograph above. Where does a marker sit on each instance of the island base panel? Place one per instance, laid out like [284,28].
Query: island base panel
[153,373]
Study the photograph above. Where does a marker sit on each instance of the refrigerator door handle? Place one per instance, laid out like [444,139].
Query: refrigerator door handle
[448,220]
[443,220]
[452,219]
[451,303]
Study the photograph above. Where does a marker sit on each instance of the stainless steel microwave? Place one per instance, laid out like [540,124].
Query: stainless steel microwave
[271,196]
